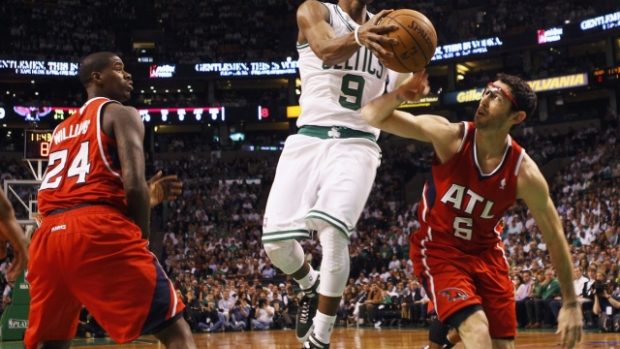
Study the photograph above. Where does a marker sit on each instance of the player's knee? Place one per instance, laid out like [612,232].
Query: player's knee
[286,255]
[335,246]
[438,332]
[176,334]
[335,264]
[476,324]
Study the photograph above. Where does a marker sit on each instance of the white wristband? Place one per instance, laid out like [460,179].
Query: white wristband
[356,35]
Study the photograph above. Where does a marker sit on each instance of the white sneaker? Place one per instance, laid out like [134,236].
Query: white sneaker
[378,324]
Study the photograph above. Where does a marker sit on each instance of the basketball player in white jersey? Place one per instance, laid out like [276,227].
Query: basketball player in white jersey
[326,170]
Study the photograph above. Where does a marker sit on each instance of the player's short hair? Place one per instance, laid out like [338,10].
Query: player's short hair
[522,92]
[94,62]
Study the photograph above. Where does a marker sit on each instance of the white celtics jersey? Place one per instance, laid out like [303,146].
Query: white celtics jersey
[333,96]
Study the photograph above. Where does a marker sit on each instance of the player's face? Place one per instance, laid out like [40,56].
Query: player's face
[495,108]
[116,82]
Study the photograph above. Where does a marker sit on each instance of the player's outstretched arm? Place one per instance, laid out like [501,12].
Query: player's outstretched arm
[381,113]
[10,229]
[314,29]
[533,189]
[128,130]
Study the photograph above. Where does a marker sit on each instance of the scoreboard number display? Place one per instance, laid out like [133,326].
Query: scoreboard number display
[608,76]
[37,144]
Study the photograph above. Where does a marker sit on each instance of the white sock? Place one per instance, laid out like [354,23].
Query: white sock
[323,326]
[308,281]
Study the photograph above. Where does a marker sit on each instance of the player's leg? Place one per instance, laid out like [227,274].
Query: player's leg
[442,336]
[446,273]
[287,204]
[335,265]
[348,172]
[288,256]
[177,335]
[121,283]
[498,302]
[503,344]
[473,329]
[54,311]
[292,193]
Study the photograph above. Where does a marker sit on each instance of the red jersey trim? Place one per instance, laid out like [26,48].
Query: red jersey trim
[88,102]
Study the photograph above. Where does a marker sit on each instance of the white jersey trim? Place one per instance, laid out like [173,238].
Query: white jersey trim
[175,301]
[427,269]
[521,156]
[425,210]
[499,247]
[508,146]
[465,130]
[100,144]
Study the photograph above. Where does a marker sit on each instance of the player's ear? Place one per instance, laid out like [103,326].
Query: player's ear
[95,77]
[518,117]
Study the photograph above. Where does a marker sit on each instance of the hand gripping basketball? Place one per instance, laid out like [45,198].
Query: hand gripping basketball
[373,36]
[416,40]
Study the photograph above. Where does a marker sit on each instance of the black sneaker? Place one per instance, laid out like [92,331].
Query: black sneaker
[313,343]
[308,305]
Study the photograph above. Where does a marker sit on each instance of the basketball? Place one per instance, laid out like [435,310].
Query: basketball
[416,37]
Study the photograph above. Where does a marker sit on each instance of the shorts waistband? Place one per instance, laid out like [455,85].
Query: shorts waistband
[86,206]
[334,132]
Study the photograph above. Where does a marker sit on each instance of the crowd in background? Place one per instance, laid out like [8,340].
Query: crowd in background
[241,30]
[210,237]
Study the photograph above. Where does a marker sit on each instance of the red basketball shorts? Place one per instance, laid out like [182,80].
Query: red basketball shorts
[455,280]
[95,256]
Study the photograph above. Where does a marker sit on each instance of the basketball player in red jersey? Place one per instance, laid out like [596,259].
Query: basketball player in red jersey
[91,247]
[478,172]
[10,230]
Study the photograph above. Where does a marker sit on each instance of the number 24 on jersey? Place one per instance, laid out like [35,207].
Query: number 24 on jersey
[80,167]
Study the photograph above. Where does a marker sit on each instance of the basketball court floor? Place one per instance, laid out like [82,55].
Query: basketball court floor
[348,338]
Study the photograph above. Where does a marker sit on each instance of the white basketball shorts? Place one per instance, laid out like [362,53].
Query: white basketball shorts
[319,179]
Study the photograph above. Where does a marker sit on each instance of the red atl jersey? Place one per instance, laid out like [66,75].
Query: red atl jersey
[82,168]
[461,206]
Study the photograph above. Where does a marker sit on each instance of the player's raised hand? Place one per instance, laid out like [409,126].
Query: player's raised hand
[570,325]
[414,87]
[372,35]
[164,188]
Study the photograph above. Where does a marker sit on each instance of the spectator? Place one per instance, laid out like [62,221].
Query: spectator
[264,316]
